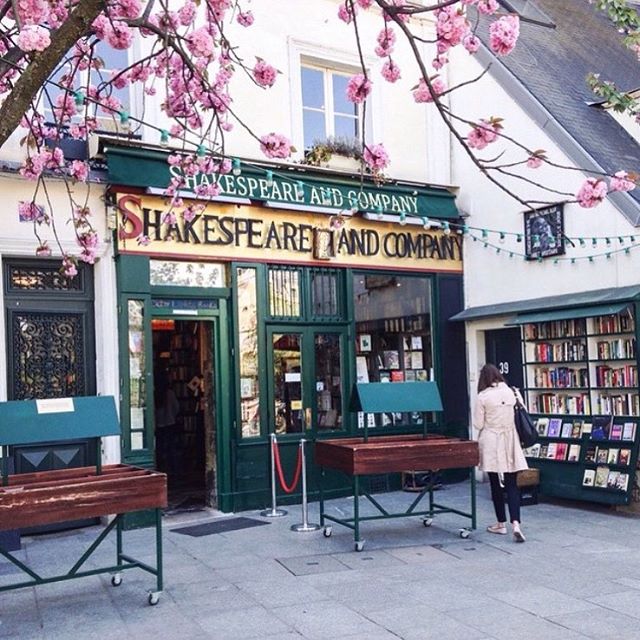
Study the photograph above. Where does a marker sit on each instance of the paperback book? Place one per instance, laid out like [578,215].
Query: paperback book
[629,431]
[574,453]
[612,457]
[590,454]
[602,455]
[624,457]
[623,482]
[589,477]
[555,424]
[601,427]
[602,476]
[567,427]
[576,430]
[533,451]
[612,479]
[616,432]
[542,425]
[561,451]
[551,450]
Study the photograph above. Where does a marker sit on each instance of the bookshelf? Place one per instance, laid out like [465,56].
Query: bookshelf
[581,373]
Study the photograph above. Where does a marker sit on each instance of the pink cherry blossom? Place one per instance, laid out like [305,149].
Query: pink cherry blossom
[358,88]
[43,250]
[33,12]
[488,7]
[422,93]
[200,43]
[364,4]
[345,13]
[503,34]
[376,157]
[119,35]
[390,71]
[452,27]
[69,267]
[621,181]
[79,170]
[471,43]
[534,162]
[275,145]
[592,192]
[245,18]
[264,74]
[33,38]
[386,41]
[482,135]
[31,212]
[187,13]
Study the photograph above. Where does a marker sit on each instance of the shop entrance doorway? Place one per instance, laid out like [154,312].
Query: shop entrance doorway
[184,411]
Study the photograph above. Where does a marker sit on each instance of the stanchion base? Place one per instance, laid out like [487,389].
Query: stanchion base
[305,527]
[273,513]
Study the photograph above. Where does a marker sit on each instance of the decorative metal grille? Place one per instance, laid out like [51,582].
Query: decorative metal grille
[48,355]
[41,278]
[284,293]
[325,293]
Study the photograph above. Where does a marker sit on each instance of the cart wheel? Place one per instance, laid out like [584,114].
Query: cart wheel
[465,533]
[427,522]
[359,545]
[154,598]
[327,531]
[116,579]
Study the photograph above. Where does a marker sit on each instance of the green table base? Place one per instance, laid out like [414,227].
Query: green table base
[123,561]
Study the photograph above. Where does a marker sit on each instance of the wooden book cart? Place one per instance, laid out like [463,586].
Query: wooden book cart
[47,497]
[395,454]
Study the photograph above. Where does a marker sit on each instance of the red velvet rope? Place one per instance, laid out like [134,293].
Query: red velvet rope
[296,475]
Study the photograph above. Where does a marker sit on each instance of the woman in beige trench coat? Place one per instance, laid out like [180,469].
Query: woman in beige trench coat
[500,451]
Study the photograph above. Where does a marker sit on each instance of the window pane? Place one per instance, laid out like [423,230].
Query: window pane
[287,382]
[346,127]
[137,366]
[312,88]
[340,102]
[248,349]
[186,274]
[314,128]
[393,334]
[284,293]
[324,292]
[328,380]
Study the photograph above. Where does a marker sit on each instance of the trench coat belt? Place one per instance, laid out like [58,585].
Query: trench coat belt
[502,443]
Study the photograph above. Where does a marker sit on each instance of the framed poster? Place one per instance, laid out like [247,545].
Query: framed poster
[544,232]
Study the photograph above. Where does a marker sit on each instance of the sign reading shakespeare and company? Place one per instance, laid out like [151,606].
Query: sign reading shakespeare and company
[244,232]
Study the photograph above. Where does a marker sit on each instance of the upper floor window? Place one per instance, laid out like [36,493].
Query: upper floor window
[325,109]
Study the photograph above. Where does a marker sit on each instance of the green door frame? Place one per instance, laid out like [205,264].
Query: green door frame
[308,332]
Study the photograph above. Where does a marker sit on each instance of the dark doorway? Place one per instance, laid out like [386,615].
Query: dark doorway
[184,411]
[503,347]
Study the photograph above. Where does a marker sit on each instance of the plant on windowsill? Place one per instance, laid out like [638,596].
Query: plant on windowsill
[336,153]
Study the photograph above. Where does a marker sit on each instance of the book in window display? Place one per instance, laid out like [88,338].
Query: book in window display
[589,477]
[590,454]
[601,427]
[624,457]
[574,453]
[542,424]
[543,450]
[555,425]
[602,477]
[391,359]
[629,431]
[612,479]
[551,451]
[601,455]
[561,451]
[576,430]
[612,456]
[623,482]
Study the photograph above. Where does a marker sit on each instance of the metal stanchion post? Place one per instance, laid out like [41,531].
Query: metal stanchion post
[274,512]
[305,526]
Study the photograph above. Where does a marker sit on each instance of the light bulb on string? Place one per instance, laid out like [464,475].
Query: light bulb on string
[608,241]
[621,240]
[202,151]
[594,242]
[582,242]
[403,219]
[608,256]
[627,251]
[269,177]
[519,238]
[573,260]
[484,233]
[446,228]
[379,213]
[465,229]
[511,254]
[236,168]
[164,137]
[632,238]
[300,189]
[353,204]
[78,98]
[590,258]
[497,250]
[426,224]
[502,237]
[124,118]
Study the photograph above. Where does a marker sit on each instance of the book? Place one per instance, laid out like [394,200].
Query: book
[590,455]
[629,431]
[612,479]
[416,360]
[384,376]
[555,424]
[623,482]
[624,457]
[586,428]
[616,432]
[601,427]
[421,374]
[576,430]
[601,455]
[543,450]
[612,456]
[574,453]
[397,376]
[409,375]
[589,477]
[602,475]
[542,424]
[566,430]
[391,359]
[533,451]
[561,451]
[362,373]
[551,450]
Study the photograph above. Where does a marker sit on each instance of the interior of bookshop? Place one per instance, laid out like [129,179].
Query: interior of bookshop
[393,336]
[581,378]
[182,361]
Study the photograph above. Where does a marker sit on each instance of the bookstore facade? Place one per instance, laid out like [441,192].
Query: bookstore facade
[575,358]
[259,312]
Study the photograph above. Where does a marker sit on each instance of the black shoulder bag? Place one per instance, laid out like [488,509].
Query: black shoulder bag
[525,427]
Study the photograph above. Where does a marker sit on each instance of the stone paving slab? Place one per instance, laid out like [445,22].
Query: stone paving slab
[577,577]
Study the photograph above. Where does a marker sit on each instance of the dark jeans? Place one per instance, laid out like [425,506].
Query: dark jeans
[513,496]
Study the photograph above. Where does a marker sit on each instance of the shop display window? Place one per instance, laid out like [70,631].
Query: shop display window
[137,368]
[186,274]
[248,349]
[393,341]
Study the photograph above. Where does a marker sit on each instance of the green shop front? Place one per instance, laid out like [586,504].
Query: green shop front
[257,312]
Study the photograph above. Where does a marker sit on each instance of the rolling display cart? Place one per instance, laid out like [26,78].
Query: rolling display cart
[364,456]
[47,497]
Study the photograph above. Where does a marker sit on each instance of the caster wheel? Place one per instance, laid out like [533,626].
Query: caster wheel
[154,598]
[427,522]
[465,533]
[327,531]
[359,546]
[116,579]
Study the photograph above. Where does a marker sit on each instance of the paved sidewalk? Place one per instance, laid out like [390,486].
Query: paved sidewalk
[577,576]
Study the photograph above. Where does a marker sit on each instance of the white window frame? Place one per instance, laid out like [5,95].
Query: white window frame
[333,60]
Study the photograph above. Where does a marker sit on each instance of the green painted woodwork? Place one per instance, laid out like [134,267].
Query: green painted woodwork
[136,167]
[92,417]
[567,314]
[133,274]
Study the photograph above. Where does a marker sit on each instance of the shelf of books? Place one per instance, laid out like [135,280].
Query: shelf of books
[582,384]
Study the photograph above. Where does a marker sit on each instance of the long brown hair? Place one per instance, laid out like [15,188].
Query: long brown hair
[489,375]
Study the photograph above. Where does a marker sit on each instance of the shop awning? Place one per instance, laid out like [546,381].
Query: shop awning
[567,314]
[566,304]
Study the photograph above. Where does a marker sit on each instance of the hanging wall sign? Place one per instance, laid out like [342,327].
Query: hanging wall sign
[544,232]
[244,232]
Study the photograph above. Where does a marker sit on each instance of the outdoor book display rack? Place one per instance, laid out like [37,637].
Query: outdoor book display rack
[48,497]
[363,456]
